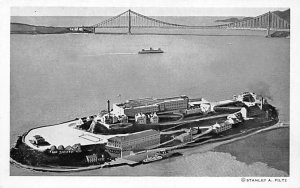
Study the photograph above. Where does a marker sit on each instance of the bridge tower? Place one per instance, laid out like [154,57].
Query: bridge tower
[269,23]
[129,22]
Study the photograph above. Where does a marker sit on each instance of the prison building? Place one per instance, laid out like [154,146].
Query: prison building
[123,145]
[150,105]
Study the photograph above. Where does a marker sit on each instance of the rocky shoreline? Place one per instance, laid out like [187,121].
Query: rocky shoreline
[280,34]
[121,162]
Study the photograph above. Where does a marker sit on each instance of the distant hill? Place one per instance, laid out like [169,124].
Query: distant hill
[233,19]
[20,28]
[283,14]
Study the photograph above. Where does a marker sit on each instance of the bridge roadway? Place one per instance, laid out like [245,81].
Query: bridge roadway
[180,123]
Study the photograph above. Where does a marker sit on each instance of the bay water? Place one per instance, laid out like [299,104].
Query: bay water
[58,77]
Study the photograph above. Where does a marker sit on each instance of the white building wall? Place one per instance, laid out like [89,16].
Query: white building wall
[118,110]
[143,109]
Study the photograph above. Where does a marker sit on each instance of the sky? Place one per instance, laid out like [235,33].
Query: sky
[149,11]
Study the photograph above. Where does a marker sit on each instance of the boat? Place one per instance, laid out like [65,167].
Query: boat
[150,51]
[156,157]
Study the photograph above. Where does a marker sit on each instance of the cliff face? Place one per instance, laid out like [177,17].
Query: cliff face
[19,28]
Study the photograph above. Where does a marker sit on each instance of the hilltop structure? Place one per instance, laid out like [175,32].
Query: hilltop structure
[150,105]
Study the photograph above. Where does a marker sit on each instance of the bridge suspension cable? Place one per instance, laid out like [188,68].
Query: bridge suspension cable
[130,19]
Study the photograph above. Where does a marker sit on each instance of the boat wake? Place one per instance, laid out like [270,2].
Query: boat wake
[117,53]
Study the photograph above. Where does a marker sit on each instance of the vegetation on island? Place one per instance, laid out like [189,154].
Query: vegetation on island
[20,28]
[280,34]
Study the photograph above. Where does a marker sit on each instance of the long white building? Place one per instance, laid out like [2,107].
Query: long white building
[122,145]
[150,105]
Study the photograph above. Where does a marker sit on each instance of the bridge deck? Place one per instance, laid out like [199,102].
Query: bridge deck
[129,19]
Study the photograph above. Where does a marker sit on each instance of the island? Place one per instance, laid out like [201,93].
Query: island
[21,28]
[140,131]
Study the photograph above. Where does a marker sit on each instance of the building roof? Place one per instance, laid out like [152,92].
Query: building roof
[60,147]
[53,148]
[134,135]
[68,148]
[134,103]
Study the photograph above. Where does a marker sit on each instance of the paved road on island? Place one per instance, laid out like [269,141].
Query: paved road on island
[194,120]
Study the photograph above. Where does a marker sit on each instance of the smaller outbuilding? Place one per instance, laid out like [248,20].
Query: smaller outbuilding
[60,148]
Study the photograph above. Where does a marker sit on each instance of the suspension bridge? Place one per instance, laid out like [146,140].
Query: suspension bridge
[129,19]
